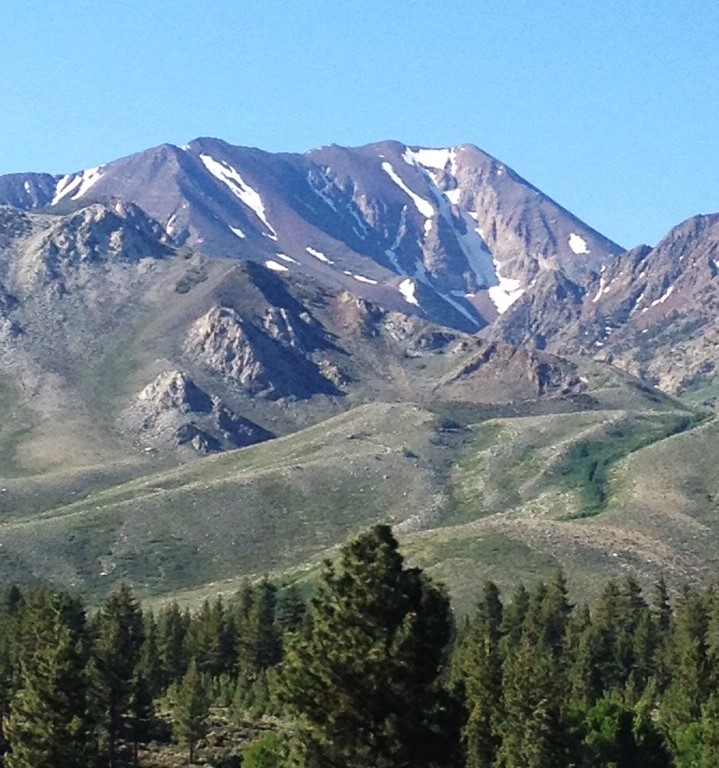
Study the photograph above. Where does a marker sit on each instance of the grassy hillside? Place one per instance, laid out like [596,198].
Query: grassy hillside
[601,491]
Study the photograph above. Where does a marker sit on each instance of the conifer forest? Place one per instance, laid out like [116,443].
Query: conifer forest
[367,669]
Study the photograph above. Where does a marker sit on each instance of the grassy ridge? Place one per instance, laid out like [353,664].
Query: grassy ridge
[506,498]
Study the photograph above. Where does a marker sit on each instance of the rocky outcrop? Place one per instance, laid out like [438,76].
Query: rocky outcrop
[172,411]
[67,253]
[501,373]
[268,361]
[651,311]
[172,390]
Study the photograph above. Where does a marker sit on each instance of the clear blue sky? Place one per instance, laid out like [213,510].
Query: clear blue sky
[610,107]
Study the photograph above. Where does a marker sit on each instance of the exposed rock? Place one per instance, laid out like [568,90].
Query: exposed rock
[272,365]
[173,411]
[65,254]
[172,389]
[502,373]
[650,311]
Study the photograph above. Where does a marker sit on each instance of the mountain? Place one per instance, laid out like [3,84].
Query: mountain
[114,340]
[451,234]
[217,362]
[652,311]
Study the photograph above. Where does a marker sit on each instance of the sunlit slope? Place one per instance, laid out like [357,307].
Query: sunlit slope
[266,508]
[604,494]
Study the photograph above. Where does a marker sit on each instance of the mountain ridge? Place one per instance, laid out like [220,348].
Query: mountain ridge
[382,219]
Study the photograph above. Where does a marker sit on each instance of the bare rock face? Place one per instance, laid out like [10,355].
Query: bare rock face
[220,340]
[270,360]
[501,373]
[651,311]
[67,253]
[173,390]
[172,411]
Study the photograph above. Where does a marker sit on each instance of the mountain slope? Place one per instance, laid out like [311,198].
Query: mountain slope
[652,311]
[452,234]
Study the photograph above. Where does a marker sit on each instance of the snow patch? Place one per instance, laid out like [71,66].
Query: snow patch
[429,158]
[663,297]
[603,288]
[478,256]
[170,224]
[506,293]
[237,231]
[321,191]
[639,300]
[578,244]
[64,187]
[363,279]
[407,289]
[89,178]
[27,187]
[453,195]
[422,205]
[470,241]
[225,173]
[275,267]
[76,185]
[286,258]
[318,255]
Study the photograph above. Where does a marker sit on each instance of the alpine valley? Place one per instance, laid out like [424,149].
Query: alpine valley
[217,362]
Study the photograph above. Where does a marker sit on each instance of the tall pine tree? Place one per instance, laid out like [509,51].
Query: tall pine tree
[49,725]
[362,674]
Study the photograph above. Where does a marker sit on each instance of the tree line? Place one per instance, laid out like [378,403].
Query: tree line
[371,671]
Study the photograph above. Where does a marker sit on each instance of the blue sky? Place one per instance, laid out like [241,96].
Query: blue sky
[609,107]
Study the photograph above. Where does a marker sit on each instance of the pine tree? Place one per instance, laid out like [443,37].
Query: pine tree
[49,725]
[118,645]
[681,703]
[555,611]
[478,665]
[190,710]
[710,733]
[532,730]
[140,715]
[362,675]
[258,638]
[291,610]
[10,606]
[150,664]
[172,627]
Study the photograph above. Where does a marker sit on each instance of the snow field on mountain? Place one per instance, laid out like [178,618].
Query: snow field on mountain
[422,205]
[318,255]
[275,267]
[578,244]
[76,185]
[234,182]
[407,288]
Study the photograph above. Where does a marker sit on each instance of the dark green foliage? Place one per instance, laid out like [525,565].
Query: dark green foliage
[190,710]
[118,645]
[258,637]
[477,668]
[268,751]
[587,464]
[291,610]
[613,735]
[172,627]
[49,725]
[362,675]
[534,682]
